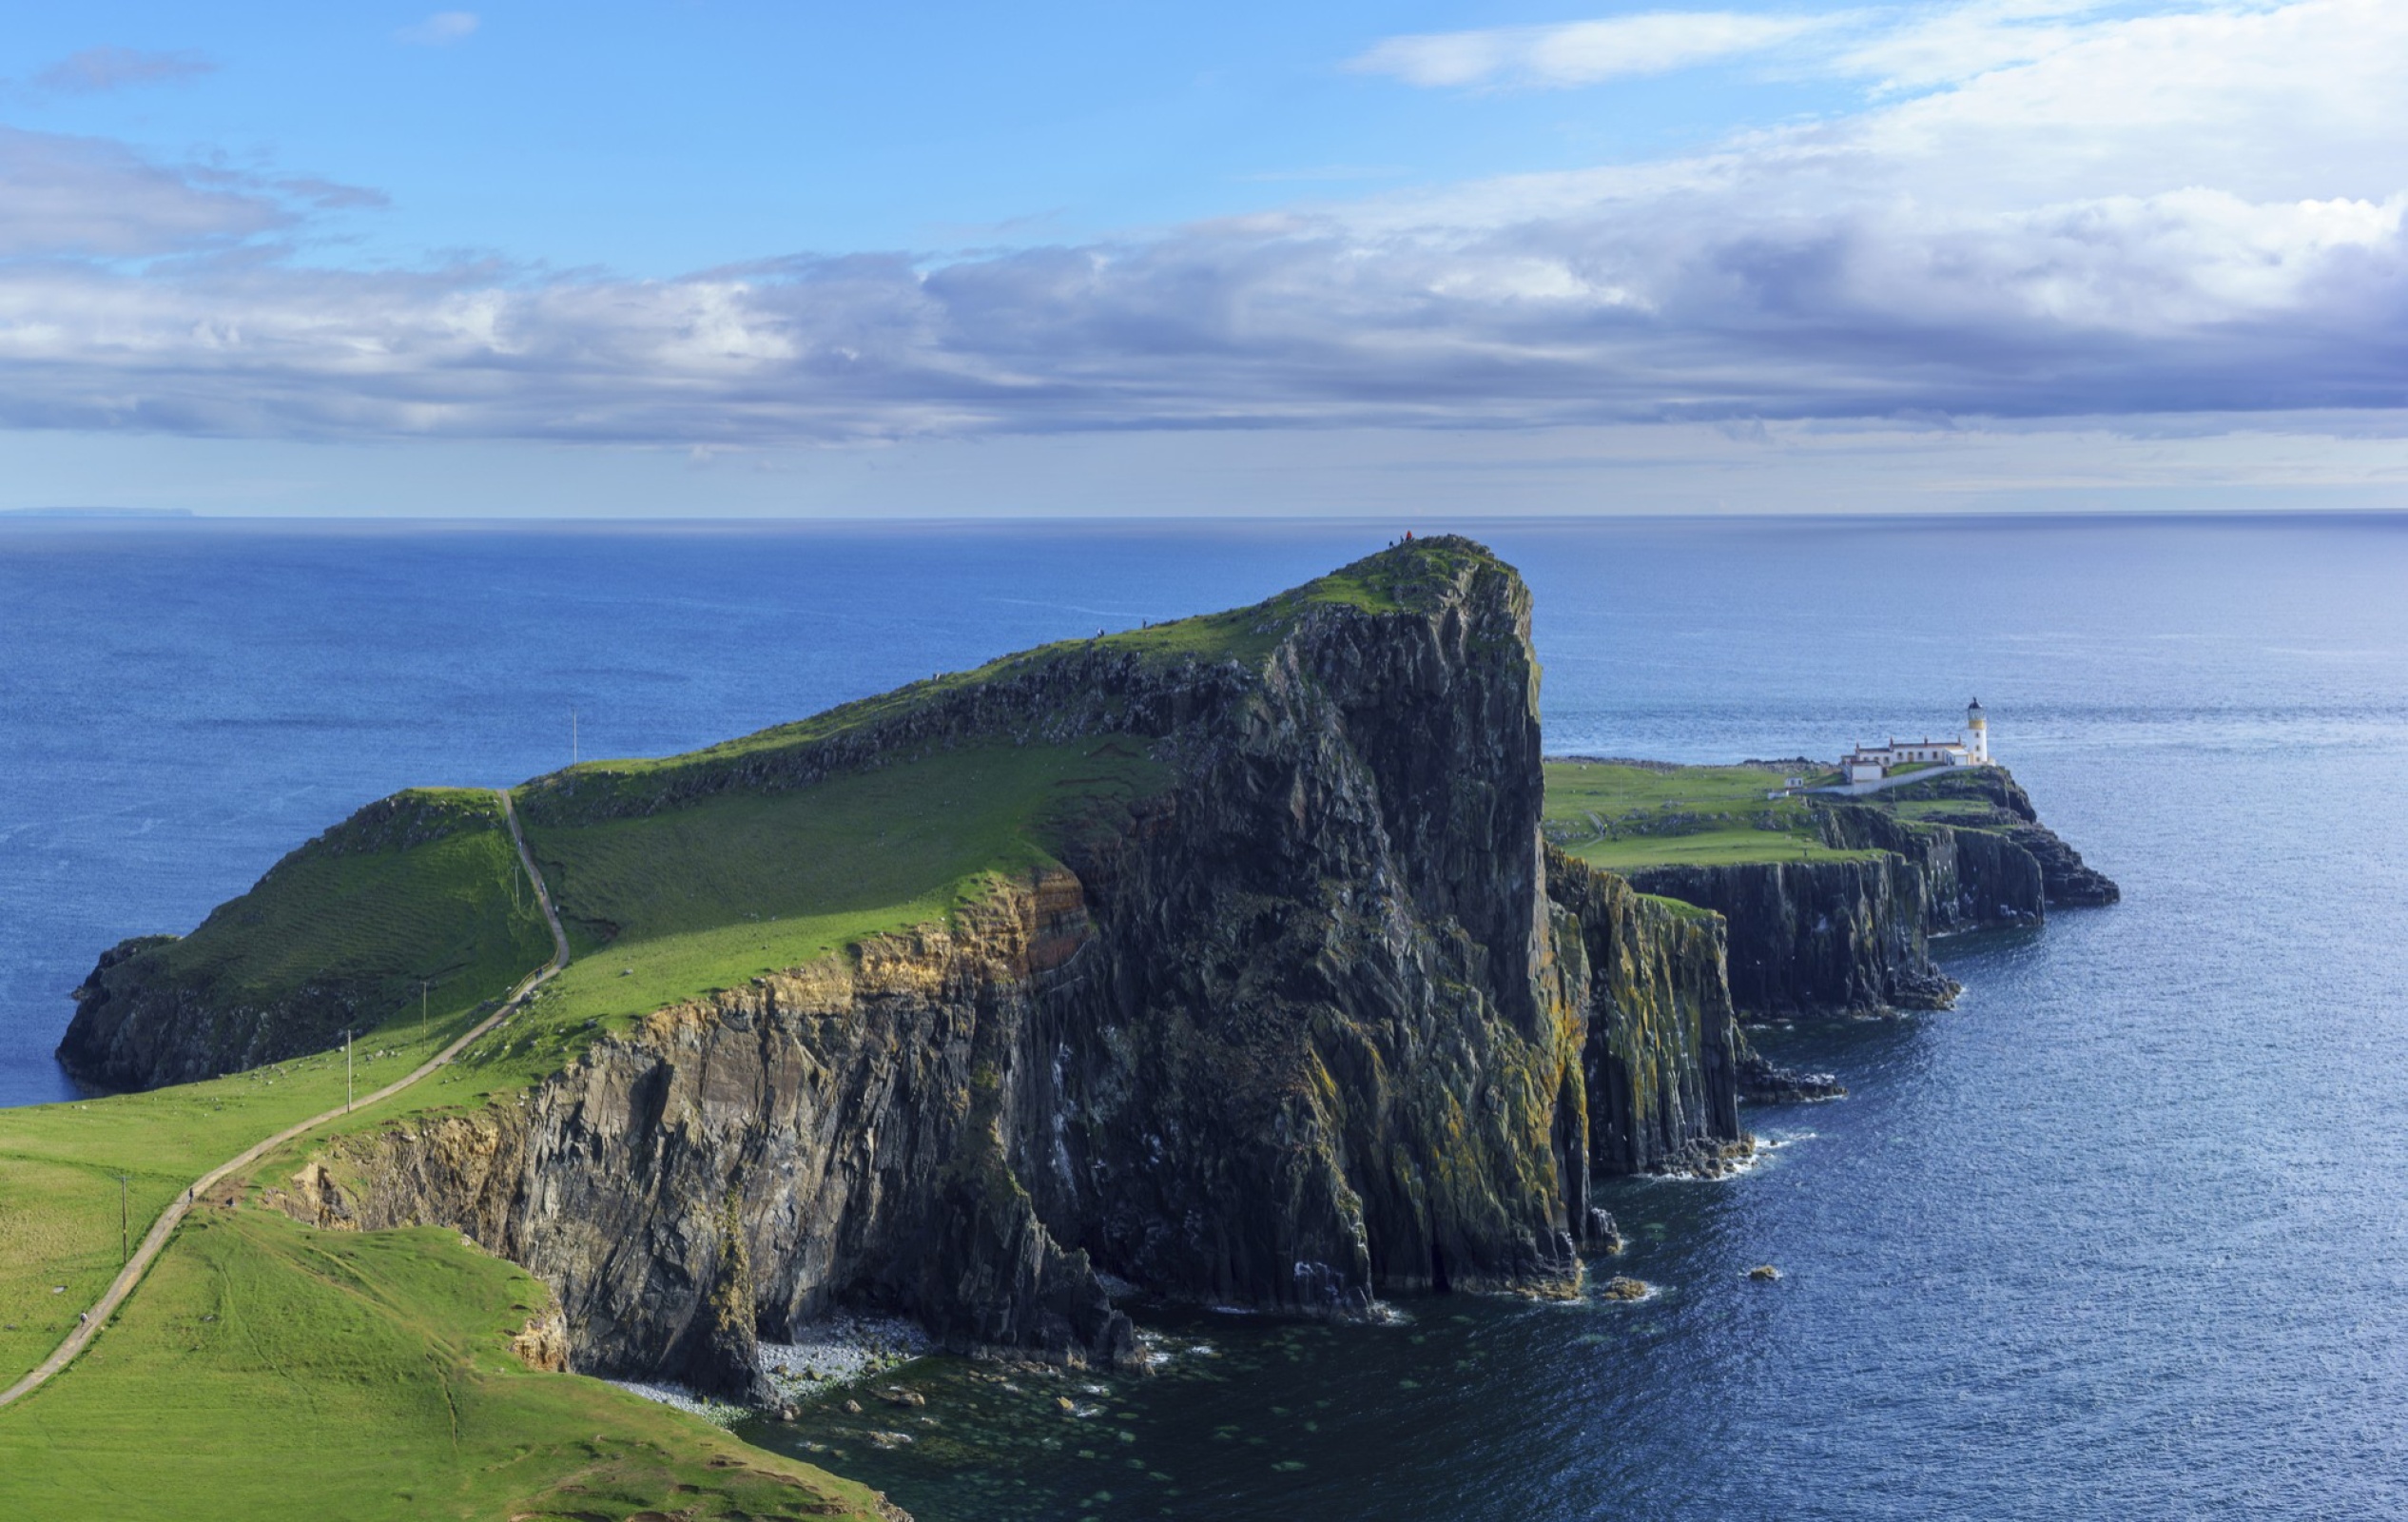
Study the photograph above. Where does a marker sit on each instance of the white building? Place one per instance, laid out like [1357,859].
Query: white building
[1871,763]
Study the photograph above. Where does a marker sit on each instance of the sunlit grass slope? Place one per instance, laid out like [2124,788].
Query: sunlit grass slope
[268,1371]
[424,886]
[672,906]
[421,887]
[1626,817]
[59,1166]
[1398,579]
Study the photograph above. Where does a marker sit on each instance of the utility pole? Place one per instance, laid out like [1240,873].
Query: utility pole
[346,1071]
[421,1009]
[572,736]
[124,1222]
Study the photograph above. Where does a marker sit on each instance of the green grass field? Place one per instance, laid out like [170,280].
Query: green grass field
[668,907]
[59,1164]
[424,886]
[1626,817]
[269,1371]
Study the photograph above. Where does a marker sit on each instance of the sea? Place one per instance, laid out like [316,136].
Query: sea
[2123,1235]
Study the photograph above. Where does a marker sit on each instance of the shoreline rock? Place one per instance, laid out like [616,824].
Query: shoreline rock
[1763,1082]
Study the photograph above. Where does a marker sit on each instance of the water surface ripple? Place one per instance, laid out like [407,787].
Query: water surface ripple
[2121,1235]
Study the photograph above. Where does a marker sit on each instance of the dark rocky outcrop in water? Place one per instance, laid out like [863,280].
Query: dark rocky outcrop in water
[1764,1082]
[1317,1022]
[1854,936]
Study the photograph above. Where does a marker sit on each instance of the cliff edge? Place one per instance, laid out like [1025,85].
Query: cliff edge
[1257,986]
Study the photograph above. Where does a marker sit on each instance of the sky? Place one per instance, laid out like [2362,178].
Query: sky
[720,260]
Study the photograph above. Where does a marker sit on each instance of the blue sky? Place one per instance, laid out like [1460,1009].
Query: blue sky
[655,139]
[710,258]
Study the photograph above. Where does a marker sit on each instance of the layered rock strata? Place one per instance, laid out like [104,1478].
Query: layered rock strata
[1316,1023]
[1854,936]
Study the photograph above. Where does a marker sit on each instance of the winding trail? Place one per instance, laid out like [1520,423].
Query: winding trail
[165,1227]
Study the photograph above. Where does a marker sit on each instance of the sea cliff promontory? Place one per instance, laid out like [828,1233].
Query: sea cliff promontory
[1830,901]
[1248,959]
[1257,986]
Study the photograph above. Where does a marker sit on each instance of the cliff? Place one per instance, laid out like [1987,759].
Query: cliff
[1963,852]
[1309,1019]
[1990,800]
[422,887]
[1818,938]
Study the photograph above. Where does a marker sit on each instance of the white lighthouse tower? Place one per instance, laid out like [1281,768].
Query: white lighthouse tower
[1976,735]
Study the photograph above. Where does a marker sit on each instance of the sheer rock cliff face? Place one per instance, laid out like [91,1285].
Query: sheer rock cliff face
[737,1163]
[1817,937]
[1316,1021]
[1844,937]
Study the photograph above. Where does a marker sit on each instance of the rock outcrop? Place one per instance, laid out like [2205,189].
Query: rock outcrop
[1992,802]
[1316,1021]
[1854,936]
[338,935]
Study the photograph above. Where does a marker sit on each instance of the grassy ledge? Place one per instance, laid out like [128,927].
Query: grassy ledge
[1624,817]
[674,905]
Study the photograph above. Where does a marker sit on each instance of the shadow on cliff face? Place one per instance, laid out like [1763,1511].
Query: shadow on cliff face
[1313,1022]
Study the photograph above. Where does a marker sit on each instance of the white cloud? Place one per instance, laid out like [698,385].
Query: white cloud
[2199,212]
[67,197]
[439,30]
[1580,52]
[1919,49]
[97,70]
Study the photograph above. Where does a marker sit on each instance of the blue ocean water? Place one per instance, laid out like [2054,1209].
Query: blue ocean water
[2121,1235]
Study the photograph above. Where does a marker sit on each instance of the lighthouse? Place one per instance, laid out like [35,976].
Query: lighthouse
[1976,735]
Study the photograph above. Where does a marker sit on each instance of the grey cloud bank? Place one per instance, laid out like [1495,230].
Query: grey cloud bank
[2189,214]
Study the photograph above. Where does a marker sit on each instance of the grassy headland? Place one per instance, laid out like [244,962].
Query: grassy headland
[1621,817]
[1399,579]
[267,1370]
[419,892]
[672,906]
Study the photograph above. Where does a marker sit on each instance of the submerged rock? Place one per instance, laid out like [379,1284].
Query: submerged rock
[1763,1082]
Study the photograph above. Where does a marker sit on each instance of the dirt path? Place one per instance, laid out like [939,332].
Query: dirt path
[165,1227]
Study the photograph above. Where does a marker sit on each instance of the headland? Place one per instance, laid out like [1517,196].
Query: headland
[1256,959]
